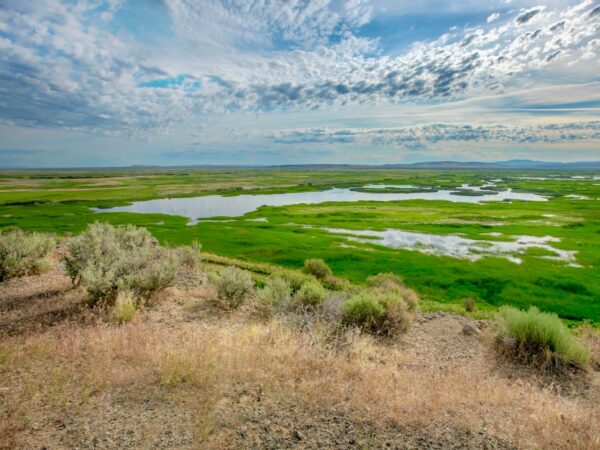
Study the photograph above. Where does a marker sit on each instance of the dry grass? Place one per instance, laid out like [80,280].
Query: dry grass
[177,376]
[69,370]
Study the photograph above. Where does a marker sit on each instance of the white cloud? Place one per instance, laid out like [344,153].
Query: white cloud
[493,17]
[423,136]
[61,68]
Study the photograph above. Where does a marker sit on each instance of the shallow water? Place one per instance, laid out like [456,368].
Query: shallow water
[457,246]
[219,206]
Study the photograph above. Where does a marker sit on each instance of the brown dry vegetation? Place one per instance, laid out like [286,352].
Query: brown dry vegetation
[186,374]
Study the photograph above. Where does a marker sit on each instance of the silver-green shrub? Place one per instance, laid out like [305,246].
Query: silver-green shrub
[189,255]
[108,259]
[294,278]
[386,308]
[23,253]
[311,293]
[317,268]
[233,285]
[277,292]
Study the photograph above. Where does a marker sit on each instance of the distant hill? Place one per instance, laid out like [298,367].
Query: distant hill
[520,164]
[513,164]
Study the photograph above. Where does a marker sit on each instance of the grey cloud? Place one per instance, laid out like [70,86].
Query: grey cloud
[416,137]
[72,75]
[528,15]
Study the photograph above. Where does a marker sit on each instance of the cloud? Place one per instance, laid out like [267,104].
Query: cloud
[61,67]
[527,15]
[493,17]
[423,136]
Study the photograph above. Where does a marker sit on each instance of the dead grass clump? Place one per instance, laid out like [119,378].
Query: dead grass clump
[124,308]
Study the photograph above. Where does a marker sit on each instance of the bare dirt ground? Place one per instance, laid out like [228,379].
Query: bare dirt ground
[186,374]
[36,302]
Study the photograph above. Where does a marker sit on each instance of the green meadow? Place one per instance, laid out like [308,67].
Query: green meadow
[60,201]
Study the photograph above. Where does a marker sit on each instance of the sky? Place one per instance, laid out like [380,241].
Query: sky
[260,82]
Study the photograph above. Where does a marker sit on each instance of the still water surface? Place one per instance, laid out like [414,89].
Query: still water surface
[218,206]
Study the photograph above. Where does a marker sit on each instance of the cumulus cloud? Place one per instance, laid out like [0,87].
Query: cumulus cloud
[61,67]
[493,17]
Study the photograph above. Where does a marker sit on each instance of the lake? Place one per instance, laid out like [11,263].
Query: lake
[209,206]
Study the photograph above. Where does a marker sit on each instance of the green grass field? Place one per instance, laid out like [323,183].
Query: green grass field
[60,202]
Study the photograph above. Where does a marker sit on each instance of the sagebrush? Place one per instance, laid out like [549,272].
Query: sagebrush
[108,259]
[317,268]
[233,285]
[386,308]
[294,278]
[276,292]
[311,293]
[23,253]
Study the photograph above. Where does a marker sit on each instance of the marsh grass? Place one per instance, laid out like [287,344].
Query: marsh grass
[540,338]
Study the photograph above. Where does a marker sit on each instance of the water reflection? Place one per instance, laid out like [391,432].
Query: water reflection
[460,247]
[219,206]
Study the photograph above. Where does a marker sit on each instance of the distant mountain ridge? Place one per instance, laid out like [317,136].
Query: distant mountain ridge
[513,164]
[467,165]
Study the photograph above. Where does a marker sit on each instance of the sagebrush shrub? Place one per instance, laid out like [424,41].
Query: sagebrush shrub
[363,309]
[233,285]
[540,338]
[317,268]
[23,253]
[389,282]
[189,255]
[108,259]
[311,293]
[294,278]
[276,292]
[385,280]
[398,313]
[387,309]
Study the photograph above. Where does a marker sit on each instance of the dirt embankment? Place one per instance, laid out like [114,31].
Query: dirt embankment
[185,374]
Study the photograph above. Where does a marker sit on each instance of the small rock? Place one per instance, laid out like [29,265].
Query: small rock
[470,329]
[298,435]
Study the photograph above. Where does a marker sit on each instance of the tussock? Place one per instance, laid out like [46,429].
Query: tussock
[540,338]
